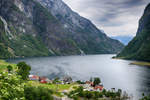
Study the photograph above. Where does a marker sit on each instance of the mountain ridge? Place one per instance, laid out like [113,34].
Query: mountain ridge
[29,29]
[77,24]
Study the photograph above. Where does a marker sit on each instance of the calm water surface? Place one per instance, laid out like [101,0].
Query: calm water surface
[113,73]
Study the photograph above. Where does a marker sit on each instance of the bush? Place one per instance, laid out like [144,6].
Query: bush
[37,93]
[88,94]
[9,68]
[11,87]
[80,82]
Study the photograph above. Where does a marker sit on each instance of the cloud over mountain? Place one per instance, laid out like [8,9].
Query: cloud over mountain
[115,17]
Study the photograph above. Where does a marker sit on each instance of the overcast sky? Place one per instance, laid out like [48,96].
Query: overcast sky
[115,17]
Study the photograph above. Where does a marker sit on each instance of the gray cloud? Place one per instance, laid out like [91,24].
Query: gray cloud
[115,17]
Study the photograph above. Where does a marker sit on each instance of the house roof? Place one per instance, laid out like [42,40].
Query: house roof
[88,82]
[43,81]
[98,87]
[34,76]
[43,78]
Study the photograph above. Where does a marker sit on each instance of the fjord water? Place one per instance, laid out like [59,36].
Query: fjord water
[114,73]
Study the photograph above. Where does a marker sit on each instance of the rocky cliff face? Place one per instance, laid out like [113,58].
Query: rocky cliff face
[67,17]
[35,28]
[83,31]
[139,47]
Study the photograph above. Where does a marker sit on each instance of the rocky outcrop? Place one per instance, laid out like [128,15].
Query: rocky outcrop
[139,47]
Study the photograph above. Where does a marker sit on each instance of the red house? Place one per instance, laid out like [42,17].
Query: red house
[99,88]
[43,80]
[34,77]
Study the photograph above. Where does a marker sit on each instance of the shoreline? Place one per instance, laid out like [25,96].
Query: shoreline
[140,63]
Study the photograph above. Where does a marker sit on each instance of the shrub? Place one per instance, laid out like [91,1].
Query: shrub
[80,82]
[37,93]
[9,68]
[11,87]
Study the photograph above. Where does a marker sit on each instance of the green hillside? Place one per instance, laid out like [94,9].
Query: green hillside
[139,47]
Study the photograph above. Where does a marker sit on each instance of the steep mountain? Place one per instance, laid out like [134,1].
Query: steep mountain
[86,35]
[28,29]
[139,47]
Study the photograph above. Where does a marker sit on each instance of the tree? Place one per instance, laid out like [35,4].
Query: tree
[9,68]
[104,91]
[119,92]
[96,81]
[91,79]
[23,70]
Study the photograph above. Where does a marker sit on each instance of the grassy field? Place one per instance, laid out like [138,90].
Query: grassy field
[141,63]
[4,64]
[56,88]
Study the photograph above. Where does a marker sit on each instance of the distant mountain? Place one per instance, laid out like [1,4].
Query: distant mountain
[48,27]
[139,47]
[124,39]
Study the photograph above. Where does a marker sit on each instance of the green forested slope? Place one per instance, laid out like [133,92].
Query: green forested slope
[139,47]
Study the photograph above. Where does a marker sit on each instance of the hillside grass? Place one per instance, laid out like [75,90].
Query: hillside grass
[58,87]
[4,64]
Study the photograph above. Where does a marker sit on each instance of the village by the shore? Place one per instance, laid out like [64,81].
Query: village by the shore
[87,85]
